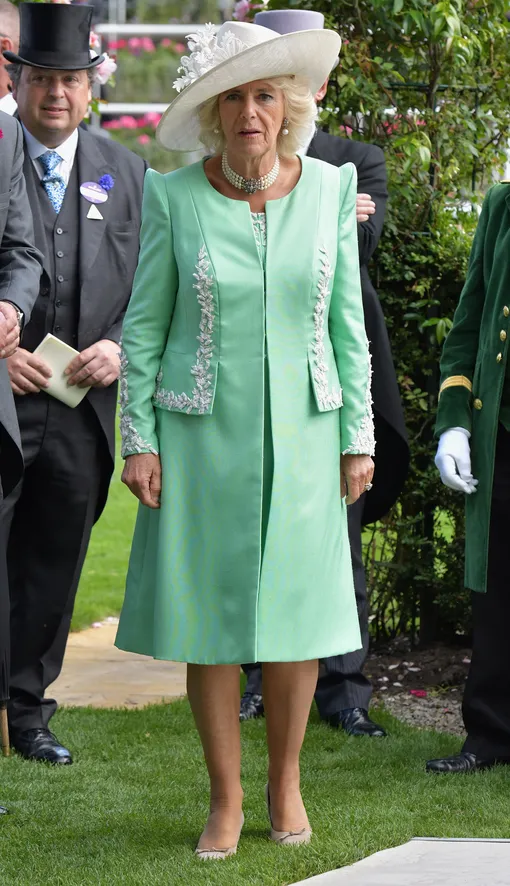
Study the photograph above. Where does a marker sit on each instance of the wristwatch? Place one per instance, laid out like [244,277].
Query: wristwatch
[19,313]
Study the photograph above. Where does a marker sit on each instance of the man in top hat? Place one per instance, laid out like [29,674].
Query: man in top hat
[85,194]
[9,40]
[20,270]
[343,692]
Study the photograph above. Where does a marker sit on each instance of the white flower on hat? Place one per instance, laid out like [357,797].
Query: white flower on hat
[206,52]
[105,70]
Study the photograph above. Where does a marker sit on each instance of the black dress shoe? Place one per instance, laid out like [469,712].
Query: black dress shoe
[4,811]
[355,721]
[252,707]
[41,744]
[463,762]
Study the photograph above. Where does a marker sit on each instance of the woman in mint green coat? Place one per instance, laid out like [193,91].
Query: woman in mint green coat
[246,406]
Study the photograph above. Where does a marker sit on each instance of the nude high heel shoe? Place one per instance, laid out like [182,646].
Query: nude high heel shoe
[287,838]
[219,854]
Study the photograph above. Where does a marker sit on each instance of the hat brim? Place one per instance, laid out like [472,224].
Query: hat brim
[307,54]
[56,66]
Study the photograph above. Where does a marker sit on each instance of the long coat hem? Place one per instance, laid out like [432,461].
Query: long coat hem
[312,656]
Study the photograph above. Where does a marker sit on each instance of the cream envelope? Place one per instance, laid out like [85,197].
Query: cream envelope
[58,356]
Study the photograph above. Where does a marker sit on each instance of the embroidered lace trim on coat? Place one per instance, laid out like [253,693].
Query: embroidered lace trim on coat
[132,442]
[327,399]
[201,396]
[364,441]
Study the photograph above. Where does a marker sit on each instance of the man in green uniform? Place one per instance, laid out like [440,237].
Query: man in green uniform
[473,456]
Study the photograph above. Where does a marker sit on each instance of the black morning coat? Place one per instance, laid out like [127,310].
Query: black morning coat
[392,449]
[108,254]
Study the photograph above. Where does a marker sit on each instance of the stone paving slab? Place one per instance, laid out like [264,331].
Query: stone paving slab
[96,673]
[424,862]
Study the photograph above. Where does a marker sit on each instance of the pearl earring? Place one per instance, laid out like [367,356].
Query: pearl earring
[285,124]
[216,131]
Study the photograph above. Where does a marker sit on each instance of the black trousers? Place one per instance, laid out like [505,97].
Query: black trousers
[341,682]
[48,518]
[486,703]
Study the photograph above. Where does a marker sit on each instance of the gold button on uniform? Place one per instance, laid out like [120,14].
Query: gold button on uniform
[478,404]
[506,311]
[502,335]
[499,358]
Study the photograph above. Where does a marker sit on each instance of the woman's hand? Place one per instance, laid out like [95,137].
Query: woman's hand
[142,475]
[356,473]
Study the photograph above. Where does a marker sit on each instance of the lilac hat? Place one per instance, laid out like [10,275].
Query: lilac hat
[287,21]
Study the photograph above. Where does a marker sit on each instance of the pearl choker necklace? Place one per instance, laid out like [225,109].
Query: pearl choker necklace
[249,185]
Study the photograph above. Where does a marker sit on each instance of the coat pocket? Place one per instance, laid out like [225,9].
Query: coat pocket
[187,382]
[324,377]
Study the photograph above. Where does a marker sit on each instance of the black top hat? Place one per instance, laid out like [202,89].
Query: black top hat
[56,36]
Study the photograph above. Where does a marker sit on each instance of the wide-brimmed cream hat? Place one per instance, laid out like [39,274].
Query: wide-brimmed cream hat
[234,54]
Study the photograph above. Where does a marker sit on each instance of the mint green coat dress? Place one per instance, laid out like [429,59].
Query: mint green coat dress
[247,369]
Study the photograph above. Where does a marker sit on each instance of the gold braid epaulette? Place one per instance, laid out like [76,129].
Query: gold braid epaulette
[456,381]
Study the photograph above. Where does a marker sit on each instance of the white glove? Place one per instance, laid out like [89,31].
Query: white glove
[453,461]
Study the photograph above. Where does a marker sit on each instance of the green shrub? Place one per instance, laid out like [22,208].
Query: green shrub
[428,82]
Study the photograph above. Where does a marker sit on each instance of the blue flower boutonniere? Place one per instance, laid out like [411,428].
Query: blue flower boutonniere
[106,182]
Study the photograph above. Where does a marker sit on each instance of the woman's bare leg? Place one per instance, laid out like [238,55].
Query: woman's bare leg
[288,689]
[213,692]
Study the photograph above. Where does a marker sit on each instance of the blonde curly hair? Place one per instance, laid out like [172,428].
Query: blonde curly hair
[300,111]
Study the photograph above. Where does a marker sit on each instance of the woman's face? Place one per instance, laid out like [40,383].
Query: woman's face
[251,117]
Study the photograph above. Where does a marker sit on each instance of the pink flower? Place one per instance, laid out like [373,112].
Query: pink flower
[106,70]
[1,133]
[127,122]
[94,42]
[180,47]
[144,139]
[114,45]
[112,124]
[134,44]
[152,118]
[166,43]
[147,45]
[241,10]
[418,693]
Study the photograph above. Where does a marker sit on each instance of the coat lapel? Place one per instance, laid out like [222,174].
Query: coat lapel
[91,166]
[34,198]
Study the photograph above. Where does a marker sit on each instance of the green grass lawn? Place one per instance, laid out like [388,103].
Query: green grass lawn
[131,808]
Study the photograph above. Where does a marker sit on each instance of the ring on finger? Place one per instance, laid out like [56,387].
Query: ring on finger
[368,487]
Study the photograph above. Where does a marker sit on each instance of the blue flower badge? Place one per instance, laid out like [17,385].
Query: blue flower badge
[106,182]
[97,192]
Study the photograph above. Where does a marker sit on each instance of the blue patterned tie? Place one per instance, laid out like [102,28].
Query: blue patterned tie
[53,183]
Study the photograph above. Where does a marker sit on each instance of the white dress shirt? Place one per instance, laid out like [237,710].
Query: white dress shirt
[67,151]
[303,151]
[8,105]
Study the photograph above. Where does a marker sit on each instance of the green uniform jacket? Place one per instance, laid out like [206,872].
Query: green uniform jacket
[473,368]
[249,382]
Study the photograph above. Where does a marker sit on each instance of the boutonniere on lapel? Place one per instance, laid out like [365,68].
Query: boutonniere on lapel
[97,193]
[1,133]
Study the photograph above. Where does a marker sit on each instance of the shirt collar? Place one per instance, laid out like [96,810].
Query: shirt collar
[7,104]
[304,150]
[66,150]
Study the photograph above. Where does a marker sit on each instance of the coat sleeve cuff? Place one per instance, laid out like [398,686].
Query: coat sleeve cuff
[455,407]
